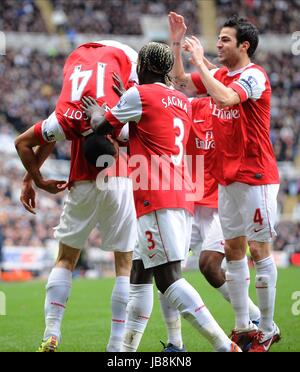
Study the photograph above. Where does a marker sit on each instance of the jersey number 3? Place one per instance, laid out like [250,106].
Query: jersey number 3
[80,78]
[177,159]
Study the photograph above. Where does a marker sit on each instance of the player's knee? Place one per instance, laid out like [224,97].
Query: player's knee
[211,269]
[207,268]
[123,263]
[235,249]
[203,266]
[259,250]
[67,257]
[167,274]
[140,275]
[66,262]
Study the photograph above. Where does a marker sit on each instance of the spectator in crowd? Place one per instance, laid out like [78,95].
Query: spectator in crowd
[108,17]
[284,14]
[22,16]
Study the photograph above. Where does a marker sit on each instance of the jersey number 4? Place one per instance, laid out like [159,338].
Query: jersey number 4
[80,78]
[258,217]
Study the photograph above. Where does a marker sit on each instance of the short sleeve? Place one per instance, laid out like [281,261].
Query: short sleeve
[51,130]
[123,136]
[250,85]
[129,108]
[38,132]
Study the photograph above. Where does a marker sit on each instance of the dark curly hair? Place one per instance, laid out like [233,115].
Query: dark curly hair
[156,58]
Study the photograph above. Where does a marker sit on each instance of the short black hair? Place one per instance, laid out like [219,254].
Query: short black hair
[96,145]
[245,31]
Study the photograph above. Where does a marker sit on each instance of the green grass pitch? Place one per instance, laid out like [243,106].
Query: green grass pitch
[86,324]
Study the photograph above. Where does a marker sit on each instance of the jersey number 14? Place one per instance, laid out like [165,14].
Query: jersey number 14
[80,78]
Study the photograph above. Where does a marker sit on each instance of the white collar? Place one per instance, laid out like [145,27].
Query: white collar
[232,73]
[165,86]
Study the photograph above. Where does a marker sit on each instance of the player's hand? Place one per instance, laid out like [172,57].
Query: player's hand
[90,107]
[193,45]
[52,186]
[27,197]
[119,87]
[177,27]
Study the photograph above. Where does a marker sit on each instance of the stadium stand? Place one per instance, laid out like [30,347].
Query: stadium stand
[284,14]
[21,16]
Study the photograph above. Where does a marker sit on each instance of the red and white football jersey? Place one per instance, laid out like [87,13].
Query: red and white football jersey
[244,151]
[160,121]
[88,71]
[201,142]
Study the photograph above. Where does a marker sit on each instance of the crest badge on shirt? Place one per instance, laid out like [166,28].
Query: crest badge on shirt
[49,136]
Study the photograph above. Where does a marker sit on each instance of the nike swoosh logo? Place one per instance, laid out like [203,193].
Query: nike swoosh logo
[258,230]
[267,347]
[199,121]
[152,255]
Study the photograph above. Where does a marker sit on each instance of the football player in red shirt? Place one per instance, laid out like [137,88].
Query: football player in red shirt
[207,241]
[160,121]
[89,70]
[244,166]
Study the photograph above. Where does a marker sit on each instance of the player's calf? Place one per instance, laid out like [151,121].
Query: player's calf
[210,266]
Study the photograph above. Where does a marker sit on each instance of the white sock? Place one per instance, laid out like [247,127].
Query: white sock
[188,301]
[254,312]
[57,293]
[266,277]
[119,301]
[139,309]
[224,291]
[172,320]
[238,281]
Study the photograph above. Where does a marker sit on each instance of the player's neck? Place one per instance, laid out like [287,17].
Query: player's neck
[152,78]
[243,62]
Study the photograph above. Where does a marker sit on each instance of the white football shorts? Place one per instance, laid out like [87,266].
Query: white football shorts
[207,233]
[112,211]
[163,236]
[249,211]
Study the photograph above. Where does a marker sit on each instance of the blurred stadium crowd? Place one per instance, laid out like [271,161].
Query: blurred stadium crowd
[30,83]
[119,17]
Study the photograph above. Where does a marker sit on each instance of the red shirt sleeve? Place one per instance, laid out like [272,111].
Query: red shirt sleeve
[113,121]
[130,84]
[38,132]
[198,83]
[240,91]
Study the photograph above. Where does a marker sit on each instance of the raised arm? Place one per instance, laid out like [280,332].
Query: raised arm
[178,29]
[222,95]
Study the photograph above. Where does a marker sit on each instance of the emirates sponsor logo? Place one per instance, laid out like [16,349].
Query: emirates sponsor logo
[208,143]
[225,114]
